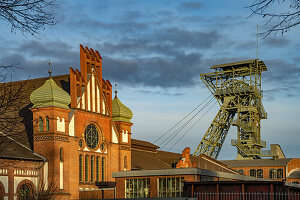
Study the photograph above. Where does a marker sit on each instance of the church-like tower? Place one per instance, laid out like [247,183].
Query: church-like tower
[51,136]
[122,116]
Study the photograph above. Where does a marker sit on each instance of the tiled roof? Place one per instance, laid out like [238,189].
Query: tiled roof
[294,175]
[11,149]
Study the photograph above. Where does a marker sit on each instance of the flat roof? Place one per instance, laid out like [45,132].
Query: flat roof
[184,171]
[241,63]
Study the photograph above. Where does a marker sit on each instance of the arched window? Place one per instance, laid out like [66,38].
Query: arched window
[241,171]
[2,191]
[25,190]
[97,168]
[253,172]
[41,126]
[92,168]
[103,169]
[47,123]
[80,168]
[61,154]
[86,169]
[125,162]
[260,173]
[279,173]
[61,169]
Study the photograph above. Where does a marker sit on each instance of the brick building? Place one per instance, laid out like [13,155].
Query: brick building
[79,134]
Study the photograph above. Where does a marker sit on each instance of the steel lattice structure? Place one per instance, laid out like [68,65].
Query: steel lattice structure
[237,87]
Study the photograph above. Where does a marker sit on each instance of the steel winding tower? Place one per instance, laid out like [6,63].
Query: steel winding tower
[237,87]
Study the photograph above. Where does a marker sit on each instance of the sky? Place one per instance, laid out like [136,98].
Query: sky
[156,50]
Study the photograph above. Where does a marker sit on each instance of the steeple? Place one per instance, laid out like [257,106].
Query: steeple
[50,94]
[120,112]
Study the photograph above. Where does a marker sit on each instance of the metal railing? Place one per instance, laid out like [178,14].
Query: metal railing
[245,196]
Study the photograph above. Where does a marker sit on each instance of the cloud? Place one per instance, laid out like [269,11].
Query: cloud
[192,5]
[276,42]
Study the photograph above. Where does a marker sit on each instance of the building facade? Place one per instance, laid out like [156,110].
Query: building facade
[73,123]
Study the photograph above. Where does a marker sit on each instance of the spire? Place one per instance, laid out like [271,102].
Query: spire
[116,91]
[50,71]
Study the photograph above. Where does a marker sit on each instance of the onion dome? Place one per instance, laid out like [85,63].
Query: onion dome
[120,112]
[50,94]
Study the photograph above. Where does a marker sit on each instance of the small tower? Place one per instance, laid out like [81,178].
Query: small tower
[51,134]
[121,116]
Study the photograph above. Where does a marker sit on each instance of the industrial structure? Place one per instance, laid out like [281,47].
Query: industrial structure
[237,87]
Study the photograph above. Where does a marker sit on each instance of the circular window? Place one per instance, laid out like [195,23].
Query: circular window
[91,136]
[80,143]
[102,146]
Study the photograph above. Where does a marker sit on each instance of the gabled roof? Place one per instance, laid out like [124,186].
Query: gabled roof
[11,149]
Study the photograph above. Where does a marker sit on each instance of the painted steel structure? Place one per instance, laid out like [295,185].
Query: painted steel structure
[237,87]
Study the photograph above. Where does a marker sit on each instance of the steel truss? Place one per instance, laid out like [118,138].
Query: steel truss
[237,87]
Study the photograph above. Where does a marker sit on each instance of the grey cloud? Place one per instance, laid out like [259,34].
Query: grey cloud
[164,93]
[276,42]
[192,5]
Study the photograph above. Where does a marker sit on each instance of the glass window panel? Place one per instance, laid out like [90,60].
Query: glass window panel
[86,168]
[279,173]
[92,168]
[253,172]
[80,168]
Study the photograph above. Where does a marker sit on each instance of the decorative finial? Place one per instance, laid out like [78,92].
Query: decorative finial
[50,71]
[116,90]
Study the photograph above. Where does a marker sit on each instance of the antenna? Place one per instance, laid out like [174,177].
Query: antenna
[257,43]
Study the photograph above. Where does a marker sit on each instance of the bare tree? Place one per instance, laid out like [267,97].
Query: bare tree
[28,16]
[11,102]
[279,21]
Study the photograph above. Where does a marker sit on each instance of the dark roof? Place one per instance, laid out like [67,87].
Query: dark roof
[140,143]
[295,174]
[141,159]
[257,162]
[22,129]
[11,149]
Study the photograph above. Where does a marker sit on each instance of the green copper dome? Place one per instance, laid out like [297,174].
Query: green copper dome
[120,112]
[50,94]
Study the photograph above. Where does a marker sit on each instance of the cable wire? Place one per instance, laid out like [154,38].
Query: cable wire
[184,125]
[193,125]
[182,119]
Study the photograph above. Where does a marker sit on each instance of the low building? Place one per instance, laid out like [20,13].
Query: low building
[283,169]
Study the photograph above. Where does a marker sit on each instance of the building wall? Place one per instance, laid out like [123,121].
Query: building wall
[13,173]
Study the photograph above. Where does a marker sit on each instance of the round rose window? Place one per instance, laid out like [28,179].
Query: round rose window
[91,136]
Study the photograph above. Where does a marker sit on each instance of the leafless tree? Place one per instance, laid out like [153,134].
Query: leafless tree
[279,20]
[11,102]
[28,16]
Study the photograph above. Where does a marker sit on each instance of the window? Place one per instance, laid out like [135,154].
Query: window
[125,163]
[80,168]
[295,182]
[260,173]
[41,128]
[137,188]
[103,169]
[47,123]
[241,171]
[92,168]
[170,187]
[91,136]
[272,173]
[61,154]
[253,172]
[279,173]
[25,192]
[86,169]
[97,168]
